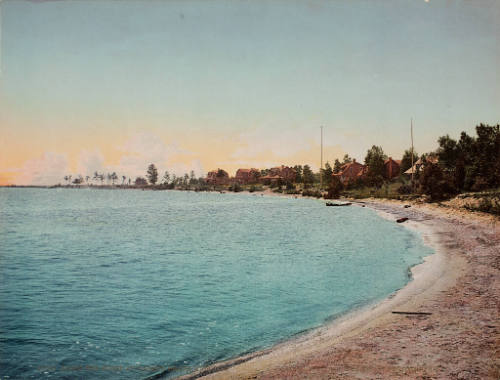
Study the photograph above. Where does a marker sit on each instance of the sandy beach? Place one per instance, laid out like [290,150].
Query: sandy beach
[458,289]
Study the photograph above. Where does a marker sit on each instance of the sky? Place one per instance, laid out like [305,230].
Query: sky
[114,85]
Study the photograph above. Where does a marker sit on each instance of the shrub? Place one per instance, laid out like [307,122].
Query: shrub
[311,193]
[236,187]
[436,184]
[405,189]
[334,189]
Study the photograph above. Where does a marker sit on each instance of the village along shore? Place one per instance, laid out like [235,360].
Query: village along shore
[462,174]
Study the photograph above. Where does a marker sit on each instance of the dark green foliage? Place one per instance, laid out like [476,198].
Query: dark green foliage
[346,159]
[406,160]
[447,152]
[298,173]
[327,174]
[436,183]
[474,162]
[152,174]
[312,193]
[405,189]
[307,176]
[236,187]
[334,188]
[139,181]
[337,166]
[374,160]
[254,188]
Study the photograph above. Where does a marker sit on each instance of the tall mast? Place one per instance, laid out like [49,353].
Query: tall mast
[321,162]
[412,168]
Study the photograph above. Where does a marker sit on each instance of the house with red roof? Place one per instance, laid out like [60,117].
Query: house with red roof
[246,176]
[350,172]
[217,177]
[392,168]
[279,173]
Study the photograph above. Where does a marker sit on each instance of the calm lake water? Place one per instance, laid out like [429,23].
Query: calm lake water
[116,284]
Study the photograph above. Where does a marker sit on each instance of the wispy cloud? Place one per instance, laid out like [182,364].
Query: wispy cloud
[47,170]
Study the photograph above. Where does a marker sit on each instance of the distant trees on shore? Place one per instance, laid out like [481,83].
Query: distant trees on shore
[471,163]
[152,174]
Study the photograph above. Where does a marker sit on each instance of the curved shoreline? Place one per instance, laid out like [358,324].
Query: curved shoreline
[438,273]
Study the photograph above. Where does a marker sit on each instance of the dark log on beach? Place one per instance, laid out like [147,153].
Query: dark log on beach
[407,206]
[401,220]
[411,312]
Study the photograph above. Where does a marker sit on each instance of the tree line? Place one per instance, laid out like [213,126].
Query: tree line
[470,163]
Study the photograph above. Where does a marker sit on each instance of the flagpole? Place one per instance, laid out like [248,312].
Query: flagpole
[321,162]
[412,168]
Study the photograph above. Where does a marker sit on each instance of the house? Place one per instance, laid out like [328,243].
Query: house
[392,168]
[285,173]
[420,164]
[271,179]
[217,177]
[246,176]
[350,172]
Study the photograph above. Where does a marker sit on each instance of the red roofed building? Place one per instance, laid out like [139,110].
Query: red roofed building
[245,176]
[392,168]
[217,177]
[286,173]
[351,172]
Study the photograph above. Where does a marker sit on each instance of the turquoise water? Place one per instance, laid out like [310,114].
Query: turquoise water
[121,284]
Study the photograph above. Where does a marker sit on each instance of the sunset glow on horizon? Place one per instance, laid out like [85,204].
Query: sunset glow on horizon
[109,86]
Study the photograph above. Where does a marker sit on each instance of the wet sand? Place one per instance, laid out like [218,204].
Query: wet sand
[460,339]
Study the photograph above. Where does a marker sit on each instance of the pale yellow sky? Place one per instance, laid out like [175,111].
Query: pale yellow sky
[115,86]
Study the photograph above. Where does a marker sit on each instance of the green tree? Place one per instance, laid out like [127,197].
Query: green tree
[374,160]
[298,173]
[166,178]
[436,183]
[78,180]
[152,174]
[346,159]
[448,152]
[487,154]
[406,160]
[192,178]
[334,188]
[139,181]
[337,166]
[307,176]
[221,173]
[327,174]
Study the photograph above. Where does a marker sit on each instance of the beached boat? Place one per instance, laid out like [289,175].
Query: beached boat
[338,204]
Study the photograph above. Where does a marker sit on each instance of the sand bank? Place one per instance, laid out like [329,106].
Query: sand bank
[459,286]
